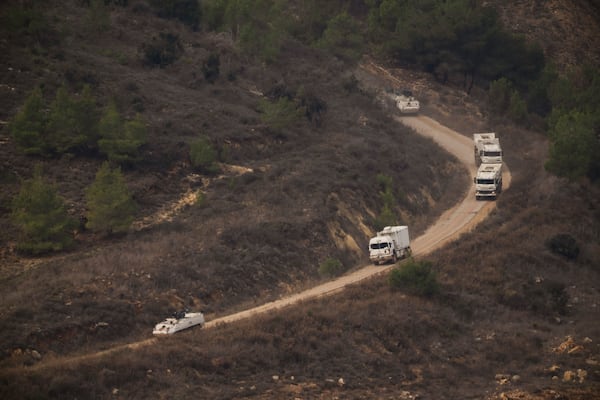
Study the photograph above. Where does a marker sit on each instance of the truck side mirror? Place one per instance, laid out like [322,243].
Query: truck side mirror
[474,179]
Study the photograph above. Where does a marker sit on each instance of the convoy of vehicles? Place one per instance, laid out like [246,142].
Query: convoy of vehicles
[393,242]
[390,244]
[488,158]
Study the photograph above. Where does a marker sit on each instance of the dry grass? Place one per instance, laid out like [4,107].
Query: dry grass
[261,234]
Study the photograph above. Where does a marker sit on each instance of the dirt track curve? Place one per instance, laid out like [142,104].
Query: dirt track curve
[460,218]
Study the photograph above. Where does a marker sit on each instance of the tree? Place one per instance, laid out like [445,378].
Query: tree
[40,213]
[573,147]
[387,216]
[69,124]
[72,122]
[343,37]
[28,127]
[121,141]
[279,114]
[111,208]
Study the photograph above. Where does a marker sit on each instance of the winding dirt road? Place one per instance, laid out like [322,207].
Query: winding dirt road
[460,218]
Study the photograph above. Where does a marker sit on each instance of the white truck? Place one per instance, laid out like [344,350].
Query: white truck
[391,244]
[488,181]
[406,103]
[486,147]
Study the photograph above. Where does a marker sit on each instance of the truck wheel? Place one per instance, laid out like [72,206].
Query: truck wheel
[394,259]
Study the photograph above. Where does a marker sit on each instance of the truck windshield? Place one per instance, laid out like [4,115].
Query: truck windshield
[377,246]
[492,153]
[485,181]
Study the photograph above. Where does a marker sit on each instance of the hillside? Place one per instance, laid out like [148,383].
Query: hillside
[513,318]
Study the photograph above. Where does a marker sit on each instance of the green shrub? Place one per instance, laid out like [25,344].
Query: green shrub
[564,244]
[415,277]
[331,267]
[203,156]
[163,51]
[314,107]
[40,213]
[110,206]
[280,113]
[28,20]
[186,11]
[210,68]
[98,17]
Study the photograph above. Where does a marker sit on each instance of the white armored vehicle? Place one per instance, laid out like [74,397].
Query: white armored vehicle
[391,244]
[486,147]
[179,321]
[488,181]
[406,103]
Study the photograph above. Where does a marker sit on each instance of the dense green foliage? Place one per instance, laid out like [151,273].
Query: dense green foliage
[72,124]
[574,125]
[40,213]
[121,140]
[343,38]
[451,38]
[68,124]
[415,277]
[111,208]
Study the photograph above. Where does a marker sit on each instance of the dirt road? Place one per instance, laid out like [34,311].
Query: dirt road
[462,217]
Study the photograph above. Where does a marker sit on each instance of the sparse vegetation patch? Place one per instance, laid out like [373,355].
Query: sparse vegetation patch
[415,277]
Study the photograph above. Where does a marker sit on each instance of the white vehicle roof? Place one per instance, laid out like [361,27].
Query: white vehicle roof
[389,229]
[484,136]
[488,171]
[492,145]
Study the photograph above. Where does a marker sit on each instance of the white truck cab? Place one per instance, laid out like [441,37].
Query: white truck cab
[488,181]
[390,244]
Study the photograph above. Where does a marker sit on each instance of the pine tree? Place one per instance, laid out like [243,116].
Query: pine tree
[62,123]
[40,213]
[121,140]
[110,205]
[28,127]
